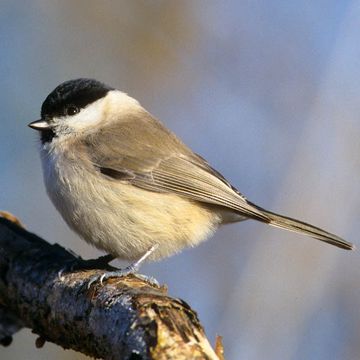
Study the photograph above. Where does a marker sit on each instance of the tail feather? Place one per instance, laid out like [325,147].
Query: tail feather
[301,227]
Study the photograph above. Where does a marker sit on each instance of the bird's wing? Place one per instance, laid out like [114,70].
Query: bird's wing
[142,152]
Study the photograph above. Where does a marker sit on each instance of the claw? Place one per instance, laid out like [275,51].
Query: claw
[69,266]
[60,277]
[102,279]
[131,269]
[107,275]
[92,280]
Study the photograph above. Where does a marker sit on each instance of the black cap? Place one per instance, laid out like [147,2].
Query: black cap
[73,93]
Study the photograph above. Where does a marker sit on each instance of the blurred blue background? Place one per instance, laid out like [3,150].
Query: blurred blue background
[268,92]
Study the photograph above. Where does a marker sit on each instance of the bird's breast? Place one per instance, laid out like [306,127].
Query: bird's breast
[120,218]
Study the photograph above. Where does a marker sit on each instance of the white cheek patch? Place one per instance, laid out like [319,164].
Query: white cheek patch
[115,105]
[89,116]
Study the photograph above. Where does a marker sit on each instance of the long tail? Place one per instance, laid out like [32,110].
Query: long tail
[297,226]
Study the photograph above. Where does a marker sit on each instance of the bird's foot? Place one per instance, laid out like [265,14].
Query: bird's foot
[131,269]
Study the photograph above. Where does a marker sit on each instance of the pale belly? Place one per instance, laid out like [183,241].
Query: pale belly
[124,220]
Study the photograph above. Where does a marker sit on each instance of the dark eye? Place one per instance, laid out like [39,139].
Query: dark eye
[71,110]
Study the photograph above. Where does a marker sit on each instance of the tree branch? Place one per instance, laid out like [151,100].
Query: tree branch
[122,319]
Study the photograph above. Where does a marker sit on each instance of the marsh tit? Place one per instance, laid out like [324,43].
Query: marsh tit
[127,184]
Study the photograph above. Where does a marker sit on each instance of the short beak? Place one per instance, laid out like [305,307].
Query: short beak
[40,125]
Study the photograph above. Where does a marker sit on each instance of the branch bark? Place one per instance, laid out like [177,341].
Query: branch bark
[122,319]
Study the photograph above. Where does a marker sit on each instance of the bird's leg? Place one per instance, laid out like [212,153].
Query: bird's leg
[131,269]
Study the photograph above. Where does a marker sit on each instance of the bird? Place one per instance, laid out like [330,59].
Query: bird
[129,186]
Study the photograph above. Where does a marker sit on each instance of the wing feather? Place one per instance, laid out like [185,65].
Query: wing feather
[143,152]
